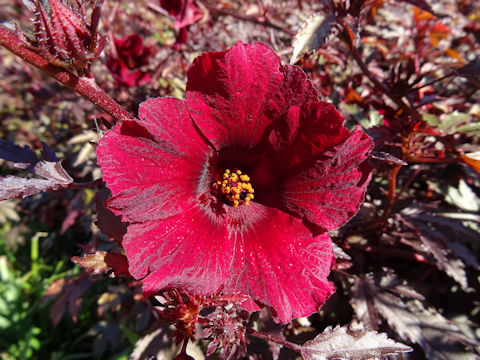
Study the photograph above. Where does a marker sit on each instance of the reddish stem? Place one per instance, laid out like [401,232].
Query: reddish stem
[88,185]
[407,184]
[381,87]
[252,19]
[83,86]
[392,185]
[274,339]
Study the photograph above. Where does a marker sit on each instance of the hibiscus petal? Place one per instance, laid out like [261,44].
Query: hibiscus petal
[186,251]
[155,168]
[235,95]
[304,132]
[330,192]
[255,250]
[279,263]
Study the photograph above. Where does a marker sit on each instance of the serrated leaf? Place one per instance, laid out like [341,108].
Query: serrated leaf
[13,187]
[342,343]
[453,232]
[439,337]
[428,236]
[21,157]
[315,30]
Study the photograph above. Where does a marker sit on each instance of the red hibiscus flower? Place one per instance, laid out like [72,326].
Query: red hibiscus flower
[235,187]
[128,56]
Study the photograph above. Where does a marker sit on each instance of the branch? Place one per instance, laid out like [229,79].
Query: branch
[86,87]
[274,339]
[252,19]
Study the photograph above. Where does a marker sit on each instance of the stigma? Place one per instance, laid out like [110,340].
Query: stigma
[236,187]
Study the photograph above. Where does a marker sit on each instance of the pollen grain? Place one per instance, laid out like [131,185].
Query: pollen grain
[236,187]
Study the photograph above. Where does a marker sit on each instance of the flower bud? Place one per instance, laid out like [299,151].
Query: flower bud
[63,35]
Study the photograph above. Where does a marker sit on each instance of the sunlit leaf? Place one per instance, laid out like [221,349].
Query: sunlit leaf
[342,343]
[314,32]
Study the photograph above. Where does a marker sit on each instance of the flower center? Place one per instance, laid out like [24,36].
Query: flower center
[236,187]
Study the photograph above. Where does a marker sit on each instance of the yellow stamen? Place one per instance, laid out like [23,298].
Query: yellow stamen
[236,187]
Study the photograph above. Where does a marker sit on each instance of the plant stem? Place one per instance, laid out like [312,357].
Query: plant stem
[392,185]
[86,87]
[274,339]
[252,19]
[381,87]
[434,81]
[88,185]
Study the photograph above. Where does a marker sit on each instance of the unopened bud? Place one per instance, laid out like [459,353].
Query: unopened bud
[64,36]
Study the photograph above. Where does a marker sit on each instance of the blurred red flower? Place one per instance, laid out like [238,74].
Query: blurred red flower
[185,13]
[129,55]
[235,187]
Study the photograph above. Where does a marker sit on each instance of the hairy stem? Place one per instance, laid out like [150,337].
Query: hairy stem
[86,87]
[274,339]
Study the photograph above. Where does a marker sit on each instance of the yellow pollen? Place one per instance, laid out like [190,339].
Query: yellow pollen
[235,186]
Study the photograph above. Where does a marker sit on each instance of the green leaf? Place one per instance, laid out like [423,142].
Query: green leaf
[472,128]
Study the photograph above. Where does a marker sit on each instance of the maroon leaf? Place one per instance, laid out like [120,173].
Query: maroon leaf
[118,263]
[471,69]
[435,244]
[108,223]
[383,156]
[70,297]
[74,209]
[20,157]
[55,177]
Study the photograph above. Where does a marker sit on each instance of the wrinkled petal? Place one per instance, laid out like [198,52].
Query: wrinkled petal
[188,250]
[156,167]
[235,95]
[330,192]
[279,263]
[304,132]
[255,250]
